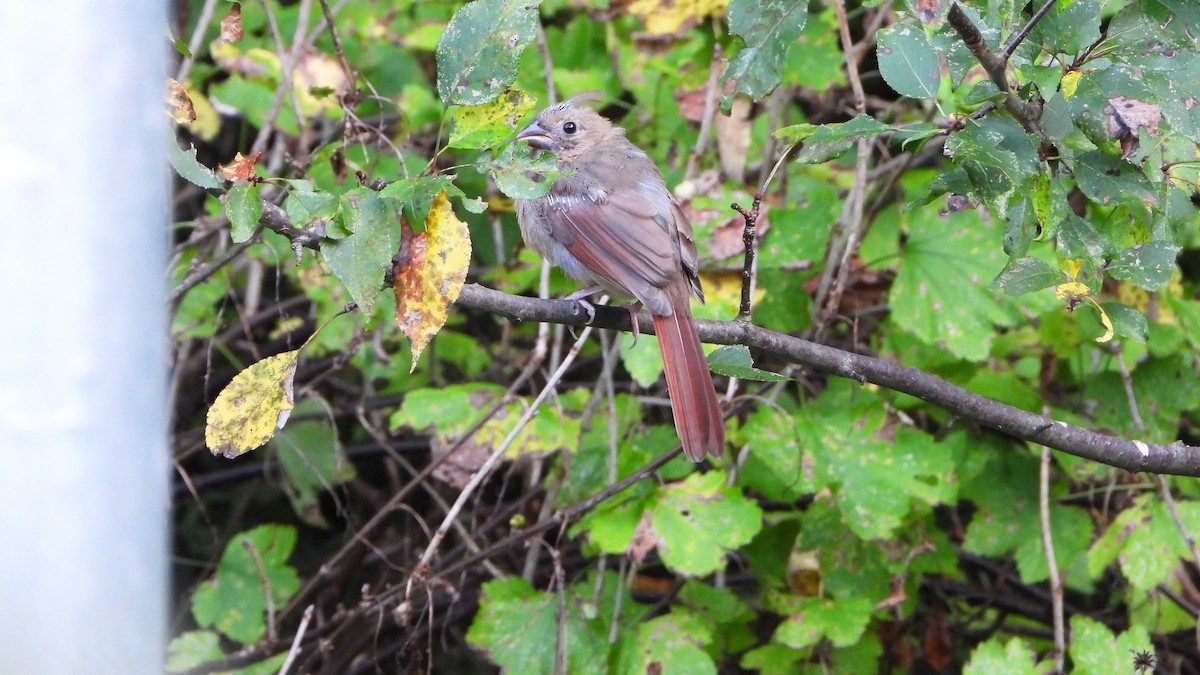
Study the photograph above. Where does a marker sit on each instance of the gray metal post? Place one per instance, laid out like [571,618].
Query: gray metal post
[83,463]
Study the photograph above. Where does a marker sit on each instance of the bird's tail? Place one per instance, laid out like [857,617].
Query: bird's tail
[698,417]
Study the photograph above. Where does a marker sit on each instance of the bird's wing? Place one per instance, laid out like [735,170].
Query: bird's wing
[622,237]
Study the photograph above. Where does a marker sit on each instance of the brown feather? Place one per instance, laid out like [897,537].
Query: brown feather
[612,222]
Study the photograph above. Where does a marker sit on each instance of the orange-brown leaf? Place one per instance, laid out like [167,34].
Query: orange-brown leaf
[431,270]
[242,168]
[182,109]
[231,25]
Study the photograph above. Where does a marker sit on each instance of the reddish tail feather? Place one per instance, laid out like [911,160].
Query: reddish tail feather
[698,418]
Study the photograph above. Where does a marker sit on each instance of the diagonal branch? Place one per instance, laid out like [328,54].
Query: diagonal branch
[1131,455]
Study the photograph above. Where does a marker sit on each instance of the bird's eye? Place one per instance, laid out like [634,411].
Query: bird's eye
[569,127]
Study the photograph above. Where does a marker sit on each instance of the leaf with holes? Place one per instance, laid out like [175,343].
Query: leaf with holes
[478,53]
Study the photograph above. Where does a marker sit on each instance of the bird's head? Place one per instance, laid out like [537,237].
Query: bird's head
[567,129]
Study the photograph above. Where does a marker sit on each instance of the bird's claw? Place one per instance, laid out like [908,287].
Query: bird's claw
[588,308]
[634,328]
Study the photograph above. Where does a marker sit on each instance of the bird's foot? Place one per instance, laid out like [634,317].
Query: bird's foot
[580,297]
[633,308]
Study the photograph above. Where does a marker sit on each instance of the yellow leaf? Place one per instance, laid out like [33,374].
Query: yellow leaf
[318,80]
[1072,291]
[431,274]
[1108,327]
[667,17]
[255,405]
[1070,82]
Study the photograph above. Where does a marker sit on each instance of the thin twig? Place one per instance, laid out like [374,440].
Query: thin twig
[285,87]
[268,596]
[1188,539]
[486,468]
[351,76]
[749,237]
[1056,586]
[198,277]
[331,566]
[851,222]
[1017,39]
[996,67]
[297,640]
[547,65]
[711,94]
[1127,383]
[206,15]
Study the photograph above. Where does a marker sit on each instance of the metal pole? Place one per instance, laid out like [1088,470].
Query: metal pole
[83,460]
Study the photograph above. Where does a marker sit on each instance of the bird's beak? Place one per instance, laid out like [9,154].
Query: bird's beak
[536,137]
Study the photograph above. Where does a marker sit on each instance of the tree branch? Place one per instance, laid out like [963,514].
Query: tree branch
[1131,455]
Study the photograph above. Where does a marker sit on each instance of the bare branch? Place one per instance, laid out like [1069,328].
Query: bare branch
[1131,455]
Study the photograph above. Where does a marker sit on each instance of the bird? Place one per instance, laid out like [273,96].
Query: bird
[610,223]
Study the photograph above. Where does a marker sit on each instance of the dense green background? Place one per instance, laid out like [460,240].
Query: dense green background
[1047,260]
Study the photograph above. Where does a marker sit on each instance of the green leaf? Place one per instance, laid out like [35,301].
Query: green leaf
[416,195]
[997,658]
[940,294]
[312,459]
[192,648]
[776,467]
[769,28]
[908,62]
[478,54]
[1127,322]
[826,141]
[773,659]
[998,156]
[451,409]
[699,519]
[190,169]
[1147,266]
[521,176]
[842,621]
[1080,240]
[676,639]
[361,260]
[477,127]
[310,208]
[1069,29]
[1025,275]
[1109,180]
[243,208]
[519,629]
[643,359]
[879,466]
[734,361]
[233,601]
[1008,521]
[1096,651]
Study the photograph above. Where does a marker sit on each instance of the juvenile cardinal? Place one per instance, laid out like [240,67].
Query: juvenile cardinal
[612,223]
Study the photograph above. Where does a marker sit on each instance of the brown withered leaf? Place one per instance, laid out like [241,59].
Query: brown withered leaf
[938,647]
[231,25]
[733,139]
[1126,117]
[727,238]
[182,110]
[691,103]
[929,11]
[429,274]
[896,597]
[645,539]
[242,168]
